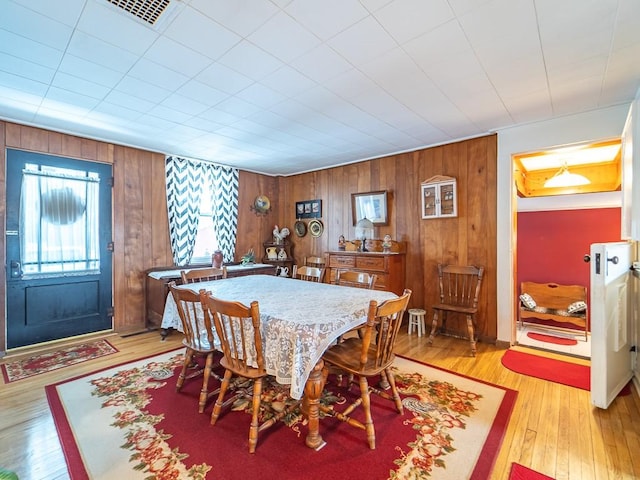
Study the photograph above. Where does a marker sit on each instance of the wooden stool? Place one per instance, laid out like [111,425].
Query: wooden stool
[416,319]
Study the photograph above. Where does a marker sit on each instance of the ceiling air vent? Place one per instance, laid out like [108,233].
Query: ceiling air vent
[148,11]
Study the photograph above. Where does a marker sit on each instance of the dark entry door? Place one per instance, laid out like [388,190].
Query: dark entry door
[59,265]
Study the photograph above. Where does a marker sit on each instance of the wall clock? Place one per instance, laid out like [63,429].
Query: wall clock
[261,205]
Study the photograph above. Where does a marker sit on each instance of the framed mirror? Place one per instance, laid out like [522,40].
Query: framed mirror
[372,205]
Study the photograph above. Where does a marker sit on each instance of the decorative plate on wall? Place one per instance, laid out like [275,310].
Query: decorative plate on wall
[316,228]
[261,205]
[300,228]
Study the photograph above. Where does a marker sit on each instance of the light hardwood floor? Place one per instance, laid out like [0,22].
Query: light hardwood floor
[553,428]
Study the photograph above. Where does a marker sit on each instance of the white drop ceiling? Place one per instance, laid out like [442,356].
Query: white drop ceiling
[287,86]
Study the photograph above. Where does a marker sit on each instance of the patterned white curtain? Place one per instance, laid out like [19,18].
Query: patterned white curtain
[225,205]
[184,178]
[184,185]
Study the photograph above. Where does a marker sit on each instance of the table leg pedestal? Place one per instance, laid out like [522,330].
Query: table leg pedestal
[311,402]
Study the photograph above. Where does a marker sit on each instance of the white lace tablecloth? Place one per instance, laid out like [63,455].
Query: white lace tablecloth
[299,319]
[159,274]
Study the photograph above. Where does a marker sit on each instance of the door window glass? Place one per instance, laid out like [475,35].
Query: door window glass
[59,221]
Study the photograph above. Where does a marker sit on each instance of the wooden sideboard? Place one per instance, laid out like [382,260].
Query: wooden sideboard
[157,285]
[388,267]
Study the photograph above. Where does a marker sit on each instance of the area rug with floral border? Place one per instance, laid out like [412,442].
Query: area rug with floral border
[129,422]
[48,361]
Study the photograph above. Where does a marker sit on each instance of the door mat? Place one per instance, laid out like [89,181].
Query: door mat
[541,337]
[552,370]
[49,361]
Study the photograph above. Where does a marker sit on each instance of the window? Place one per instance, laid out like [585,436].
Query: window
[202,212]
[206,238]
[59,224]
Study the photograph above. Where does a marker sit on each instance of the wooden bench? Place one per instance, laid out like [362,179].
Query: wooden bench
[552,301]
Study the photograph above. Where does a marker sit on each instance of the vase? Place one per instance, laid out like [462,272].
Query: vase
[272,253]
[217,259]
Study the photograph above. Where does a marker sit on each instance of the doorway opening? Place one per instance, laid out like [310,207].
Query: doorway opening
[555,226]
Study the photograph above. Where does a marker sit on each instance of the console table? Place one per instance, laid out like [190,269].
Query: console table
[157,282]
[389,267]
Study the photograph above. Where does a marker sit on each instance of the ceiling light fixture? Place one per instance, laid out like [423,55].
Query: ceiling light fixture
[564,178]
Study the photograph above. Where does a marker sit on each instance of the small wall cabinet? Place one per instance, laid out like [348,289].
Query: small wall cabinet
[439,197]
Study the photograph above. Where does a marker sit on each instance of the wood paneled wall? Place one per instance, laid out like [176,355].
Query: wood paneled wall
[468,239]
[254,229]
[141,224]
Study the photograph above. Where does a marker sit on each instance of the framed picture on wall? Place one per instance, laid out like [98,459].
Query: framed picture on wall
[372,205]
[309,209]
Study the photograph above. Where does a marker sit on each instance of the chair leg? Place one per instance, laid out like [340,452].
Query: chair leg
[384,382]
[205,383]
[188,356]
[394,391]
[253,430]
[220,401]
[472,338]
[434,326]
[366,405]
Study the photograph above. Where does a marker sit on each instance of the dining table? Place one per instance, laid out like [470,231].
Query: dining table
[299,320]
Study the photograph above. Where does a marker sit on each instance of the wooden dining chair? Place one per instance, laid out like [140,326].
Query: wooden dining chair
[369,356]
[203,274]
[309,274]
[352,278]
[198,340]
[314,262]
[459,290]
[238,327]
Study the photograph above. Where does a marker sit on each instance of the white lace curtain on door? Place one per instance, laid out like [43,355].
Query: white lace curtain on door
[59,224]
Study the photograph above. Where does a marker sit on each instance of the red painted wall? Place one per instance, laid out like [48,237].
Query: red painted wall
[552,244]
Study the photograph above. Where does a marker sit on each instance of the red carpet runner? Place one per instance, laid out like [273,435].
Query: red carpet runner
[557,371]
[541,337]
[519,472]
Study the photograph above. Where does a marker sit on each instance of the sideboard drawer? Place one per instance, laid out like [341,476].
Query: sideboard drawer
[371,263]
[342,261]
[388,267]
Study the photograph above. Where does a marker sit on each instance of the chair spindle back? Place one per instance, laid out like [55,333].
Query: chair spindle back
[309,274]
[196,327]
[460,285]
[314,262]
[383,324]
[203,274]
[238,328]
[352,278]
